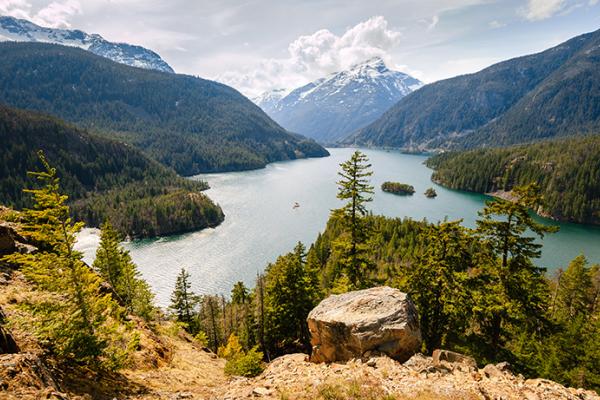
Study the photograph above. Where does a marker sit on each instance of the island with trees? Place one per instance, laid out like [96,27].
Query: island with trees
[398,188]
[430,193]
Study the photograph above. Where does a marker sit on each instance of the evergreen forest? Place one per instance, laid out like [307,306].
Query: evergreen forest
[104,179]
[569,180]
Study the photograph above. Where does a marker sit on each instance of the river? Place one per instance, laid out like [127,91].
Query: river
[261,223]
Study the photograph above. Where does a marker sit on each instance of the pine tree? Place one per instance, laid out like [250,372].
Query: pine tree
[570,351]
[575,292]
[73,318]
[114,264]
[184,302]
[351,248]
[260,313]
[437,283]
[515,289]
[241,303]
[210,316]
[291,291]
[239,293]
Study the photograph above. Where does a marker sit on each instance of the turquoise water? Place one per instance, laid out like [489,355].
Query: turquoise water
[261,223]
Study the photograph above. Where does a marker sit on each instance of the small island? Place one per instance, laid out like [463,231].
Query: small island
[398,188]
[430,193]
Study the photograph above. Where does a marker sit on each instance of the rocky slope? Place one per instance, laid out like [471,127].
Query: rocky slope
[293,377]
[21,30]
[172,366]
[330,108]
[548,94]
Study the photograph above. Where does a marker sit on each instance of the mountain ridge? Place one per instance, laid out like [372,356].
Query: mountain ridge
[332,107]
[189,124]
[490,107]
[22,30]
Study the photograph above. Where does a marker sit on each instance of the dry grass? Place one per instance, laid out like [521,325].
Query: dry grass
[188,369]
[166,363]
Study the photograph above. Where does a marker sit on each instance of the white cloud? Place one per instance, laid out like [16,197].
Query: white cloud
[541,9]
[313,56]
[495,24]
[593,2]
[434,21]
[57,14]
[15,8]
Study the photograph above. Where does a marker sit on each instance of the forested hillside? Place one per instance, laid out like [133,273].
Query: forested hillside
[567,171]
[103,178]
[477,291]
[548,94]
[187,123]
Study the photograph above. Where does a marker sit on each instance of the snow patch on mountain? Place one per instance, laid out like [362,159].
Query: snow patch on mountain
[332,107]
[21,30]
[271,98]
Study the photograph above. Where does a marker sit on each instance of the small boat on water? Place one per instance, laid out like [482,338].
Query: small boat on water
[296,205]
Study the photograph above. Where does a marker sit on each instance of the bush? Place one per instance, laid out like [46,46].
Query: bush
[202,339]
[240,362]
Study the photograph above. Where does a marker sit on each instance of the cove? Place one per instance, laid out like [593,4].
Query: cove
[261,222]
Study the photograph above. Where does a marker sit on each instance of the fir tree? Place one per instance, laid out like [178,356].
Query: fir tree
[73,319]
[291,291]
[210,318]
[575,291]
[241,313]
[114,264]
[184,302]
[515,289]
[239,293]
[354,187]
[437,283]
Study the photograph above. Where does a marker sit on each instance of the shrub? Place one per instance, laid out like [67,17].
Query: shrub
[239,362]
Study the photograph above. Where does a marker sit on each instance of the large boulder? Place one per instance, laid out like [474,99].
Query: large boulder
[379,319]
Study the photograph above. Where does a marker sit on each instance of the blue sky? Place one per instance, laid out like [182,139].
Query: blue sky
[260,45]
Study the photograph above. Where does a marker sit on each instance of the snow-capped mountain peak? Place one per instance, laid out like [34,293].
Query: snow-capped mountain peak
[21,30]
[271,98]
[334,106]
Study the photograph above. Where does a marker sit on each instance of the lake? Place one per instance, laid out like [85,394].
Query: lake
[261,223]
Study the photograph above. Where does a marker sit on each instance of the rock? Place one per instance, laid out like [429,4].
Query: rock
[491,371]
[417,362]
[7,240]
[452,357]
[261,391]
[182,395]
[503,366]
[379,319]
[7,342]
[24,248]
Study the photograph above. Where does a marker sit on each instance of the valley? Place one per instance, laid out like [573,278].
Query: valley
[262,224]
[353,201]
